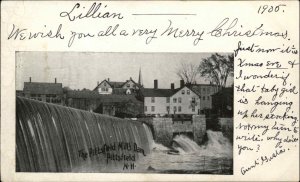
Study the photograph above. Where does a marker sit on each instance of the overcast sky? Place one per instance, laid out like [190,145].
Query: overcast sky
[79,70]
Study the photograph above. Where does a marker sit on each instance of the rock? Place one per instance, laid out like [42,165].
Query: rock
[150,168]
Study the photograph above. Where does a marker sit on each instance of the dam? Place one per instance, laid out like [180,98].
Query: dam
[55,138]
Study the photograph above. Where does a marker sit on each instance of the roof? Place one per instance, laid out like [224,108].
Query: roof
[122,91]
[189,87]
[197,88]
[82,94]
[43,88]
[101,97]
[150,92]
[115,84]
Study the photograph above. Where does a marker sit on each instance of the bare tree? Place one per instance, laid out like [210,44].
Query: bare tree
[217,68]
[188,72]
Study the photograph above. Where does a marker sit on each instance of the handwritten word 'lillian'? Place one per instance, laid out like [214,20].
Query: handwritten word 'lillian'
[93,12]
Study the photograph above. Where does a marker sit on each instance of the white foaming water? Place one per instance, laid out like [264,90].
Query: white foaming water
[152,144]
[186,144]
[217,145]
[191,157]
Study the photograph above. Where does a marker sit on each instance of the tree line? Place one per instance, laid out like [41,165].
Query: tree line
[216,68]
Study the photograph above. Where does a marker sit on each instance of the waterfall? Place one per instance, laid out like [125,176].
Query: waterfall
[217,145]
[54,138]
[153,145]
[186,144]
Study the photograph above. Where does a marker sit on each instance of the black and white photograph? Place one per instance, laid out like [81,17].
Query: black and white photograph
[124,112]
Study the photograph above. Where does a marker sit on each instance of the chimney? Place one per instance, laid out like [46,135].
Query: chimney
[172,86]
[55,80]
[30,79]
[181,83]
[155,84]
[108,79]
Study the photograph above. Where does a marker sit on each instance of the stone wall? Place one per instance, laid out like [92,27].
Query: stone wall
[199,128]
[164,129]
[226,125]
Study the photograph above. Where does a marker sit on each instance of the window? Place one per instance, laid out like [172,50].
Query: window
[179,108]
[145,108]
[106,89]
[103,89]
[179,99]
[193,100]
[182,92]
[152,99]
[168,99]
[152,108]
[193,108]
[168,108]
[188,92]
[207,97]
[203,97]
[174,100]
[208,90]
[104,84]
[128,85]
[175,108]
[203,89]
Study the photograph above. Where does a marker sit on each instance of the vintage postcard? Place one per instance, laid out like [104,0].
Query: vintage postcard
[149,91]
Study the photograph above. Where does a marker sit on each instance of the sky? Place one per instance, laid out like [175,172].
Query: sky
[78,70]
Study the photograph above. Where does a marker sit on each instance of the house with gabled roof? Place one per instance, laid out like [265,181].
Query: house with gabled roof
[43,91]
[205,92]
[183,100]
[118,88]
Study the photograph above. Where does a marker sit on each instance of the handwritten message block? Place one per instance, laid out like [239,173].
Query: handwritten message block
[268,113]
[264,37]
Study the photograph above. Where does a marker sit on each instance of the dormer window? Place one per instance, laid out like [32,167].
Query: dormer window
[183,92]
